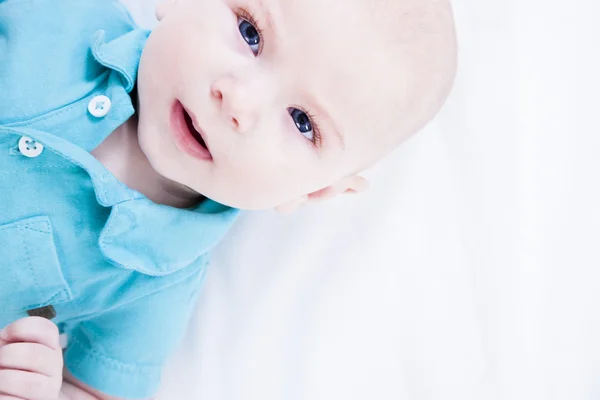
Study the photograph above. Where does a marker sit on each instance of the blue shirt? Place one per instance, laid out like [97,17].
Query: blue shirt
[121,272]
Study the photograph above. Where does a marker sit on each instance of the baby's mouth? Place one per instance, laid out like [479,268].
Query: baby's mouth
[195,134]
[188,136]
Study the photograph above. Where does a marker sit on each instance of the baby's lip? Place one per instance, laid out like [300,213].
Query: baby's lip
[197,132]
[187,134]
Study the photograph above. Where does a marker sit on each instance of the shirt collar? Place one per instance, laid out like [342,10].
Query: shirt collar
[158,240]
[121,54]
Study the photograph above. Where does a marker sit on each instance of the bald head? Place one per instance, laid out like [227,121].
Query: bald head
[419,37]
[426,42]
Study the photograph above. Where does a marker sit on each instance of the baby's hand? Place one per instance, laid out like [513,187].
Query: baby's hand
[31,362]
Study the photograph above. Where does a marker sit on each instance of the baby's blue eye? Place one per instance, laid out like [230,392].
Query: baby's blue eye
[250,35]
[303,123]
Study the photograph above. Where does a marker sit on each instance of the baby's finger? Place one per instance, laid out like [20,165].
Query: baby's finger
[27,385]
[31,357]
[32,330]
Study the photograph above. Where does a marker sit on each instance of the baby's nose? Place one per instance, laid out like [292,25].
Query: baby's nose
[236,104]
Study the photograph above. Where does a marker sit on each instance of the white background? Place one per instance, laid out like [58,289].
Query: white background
[470,271]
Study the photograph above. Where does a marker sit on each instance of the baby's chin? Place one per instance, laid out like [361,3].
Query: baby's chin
[249,200]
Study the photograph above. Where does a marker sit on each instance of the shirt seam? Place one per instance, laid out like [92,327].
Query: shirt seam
[28,258]
[111,362]
[11,172]
[86,317]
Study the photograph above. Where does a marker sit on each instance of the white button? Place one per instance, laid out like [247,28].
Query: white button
[29,147]
[99,106]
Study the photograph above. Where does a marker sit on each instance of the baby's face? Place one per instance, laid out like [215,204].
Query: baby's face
[289,96]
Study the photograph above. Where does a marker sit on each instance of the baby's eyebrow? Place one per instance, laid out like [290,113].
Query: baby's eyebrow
[338,134]
[267,16]
[336,130]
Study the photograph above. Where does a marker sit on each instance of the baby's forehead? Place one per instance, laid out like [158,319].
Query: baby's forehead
[373,62]
[336,26]
[334,38]
[358,57]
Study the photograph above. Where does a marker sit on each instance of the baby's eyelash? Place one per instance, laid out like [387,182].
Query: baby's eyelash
[317,138]
[253,19]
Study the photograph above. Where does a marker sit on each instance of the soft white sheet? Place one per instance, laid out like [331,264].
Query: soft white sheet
[470,271]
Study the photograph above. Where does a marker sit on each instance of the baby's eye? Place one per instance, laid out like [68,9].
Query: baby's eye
[250,34]
[303,123]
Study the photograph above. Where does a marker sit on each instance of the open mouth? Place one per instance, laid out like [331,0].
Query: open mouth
[195,133]
[188,138]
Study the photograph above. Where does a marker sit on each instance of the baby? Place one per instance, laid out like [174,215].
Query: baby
[125,156]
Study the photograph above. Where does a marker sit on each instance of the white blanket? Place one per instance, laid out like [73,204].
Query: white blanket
[470,271]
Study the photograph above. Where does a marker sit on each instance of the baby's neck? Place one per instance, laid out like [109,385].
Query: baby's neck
[121,154]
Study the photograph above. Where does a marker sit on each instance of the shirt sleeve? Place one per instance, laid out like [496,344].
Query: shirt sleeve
[122,351]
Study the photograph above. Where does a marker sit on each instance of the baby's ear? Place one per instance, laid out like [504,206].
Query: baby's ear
[349,185]
[163,8]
